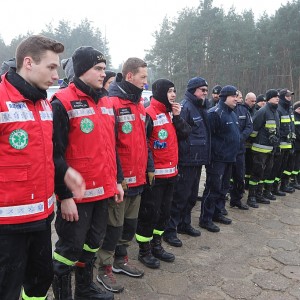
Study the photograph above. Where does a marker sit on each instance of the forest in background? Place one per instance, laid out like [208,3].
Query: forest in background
[223,47]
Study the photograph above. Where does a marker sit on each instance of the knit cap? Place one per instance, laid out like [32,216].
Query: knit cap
[67,66]
[84,58]
[109,74]
[228,90]
[194,83]
[271,94]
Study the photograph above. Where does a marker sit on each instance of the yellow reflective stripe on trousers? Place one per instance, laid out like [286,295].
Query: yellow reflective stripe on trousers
[284,145]
[88,249]
[142,239]
[63,260]
[261,148]
[158,232]
[25,297]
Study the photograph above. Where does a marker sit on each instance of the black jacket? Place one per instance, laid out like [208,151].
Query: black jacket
[225,133]
[195,150]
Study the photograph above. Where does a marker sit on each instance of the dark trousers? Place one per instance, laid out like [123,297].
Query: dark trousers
[217,185]
[184,199]
[261,167]
[154,213]
[25,260]
[238,176]
[280,163]
[88,231]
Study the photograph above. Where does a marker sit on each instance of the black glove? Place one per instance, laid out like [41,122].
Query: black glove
[274,140]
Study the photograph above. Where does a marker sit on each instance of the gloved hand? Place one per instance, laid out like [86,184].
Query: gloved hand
[150,178]
[124,185]
[274,140]
[291,136]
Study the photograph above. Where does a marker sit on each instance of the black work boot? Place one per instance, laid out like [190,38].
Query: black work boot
[259,195]
[251,201]
[267,193]
[146,257]
[61,287]
[277,191]
[158,251]
[295,184]
[285,186]
[85,288]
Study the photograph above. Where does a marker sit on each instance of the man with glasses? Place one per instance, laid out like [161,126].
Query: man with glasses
[193,153]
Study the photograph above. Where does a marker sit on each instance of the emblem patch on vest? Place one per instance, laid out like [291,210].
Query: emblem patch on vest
[163,134]
[127,127]
[18,139]
[86,125]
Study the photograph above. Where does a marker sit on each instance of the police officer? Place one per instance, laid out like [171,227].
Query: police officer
[225,135]
[213,101]
[193,153]
[266,142]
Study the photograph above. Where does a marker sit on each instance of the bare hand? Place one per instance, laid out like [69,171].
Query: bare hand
[69,210]
[176,108]
[119,197]
[75,183]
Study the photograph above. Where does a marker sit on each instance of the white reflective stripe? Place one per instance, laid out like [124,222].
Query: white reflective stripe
[27,209]
[81,112]
[270,122]
[107,111]
[46,115]
[94,192]
[16,116]
[143,118]
[130,179]
[165,171]
[126,118]
[160,121]
[51,200]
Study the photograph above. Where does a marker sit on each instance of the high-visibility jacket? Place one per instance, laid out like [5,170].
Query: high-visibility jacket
[131,141]
[163,141]
[26,157]
[91,142]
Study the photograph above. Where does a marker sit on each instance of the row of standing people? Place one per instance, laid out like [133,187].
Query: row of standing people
[101,149]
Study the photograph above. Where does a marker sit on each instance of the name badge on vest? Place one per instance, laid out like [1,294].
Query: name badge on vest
[77,104]
[124,111]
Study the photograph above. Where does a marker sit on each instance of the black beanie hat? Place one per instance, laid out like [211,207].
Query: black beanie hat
[109,74]
[194,83]
[84,58]
[228,90]
[216,89]
[160,88]
[260,98]
[271,94]
[296,105]
[67,66]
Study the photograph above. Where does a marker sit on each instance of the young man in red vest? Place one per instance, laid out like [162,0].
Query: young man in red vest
[84,140]
[125,94]
[27,170]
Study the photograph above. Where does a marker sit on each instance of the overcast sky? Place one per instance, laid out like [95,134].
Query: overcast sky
[128,24]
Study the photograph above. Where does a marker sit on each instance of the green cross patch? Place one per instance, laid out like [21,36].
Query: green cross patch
[163,134]
[86,125]
[18,139]
[127,127]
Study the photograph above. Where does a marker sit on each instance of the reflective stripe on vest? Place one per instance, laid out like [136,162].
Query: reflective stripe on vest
[16,116]
[284,145]
[285,119]
[75,113]
[165,171]
[130,179]
[126,118]
[261,148]
[46,115]
[27,209]
[270,124]
[94,192]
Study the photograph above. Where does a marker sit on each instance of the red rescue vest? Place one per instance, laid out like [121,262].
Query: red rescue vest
[91,146]
[26,157]
[163,141]
[131,141]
